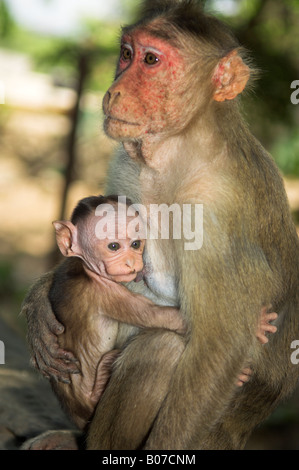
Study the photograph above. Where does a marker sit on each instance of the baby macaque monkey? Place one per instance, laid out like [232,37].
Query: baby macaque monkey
[88,299]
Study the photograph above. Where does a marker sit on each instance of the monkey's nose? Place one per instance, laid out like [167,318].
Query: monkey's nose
[109,100]
[130,262]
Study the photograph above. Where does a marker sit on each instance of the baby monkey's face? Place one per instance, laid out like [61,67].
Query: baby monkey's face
[121,255]
[110,245]
[122,258]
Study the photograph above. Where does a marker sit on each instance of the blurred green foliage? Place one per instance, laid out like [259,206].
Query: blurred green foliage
[6,21]
[268,29]
[59,55]
[286,151]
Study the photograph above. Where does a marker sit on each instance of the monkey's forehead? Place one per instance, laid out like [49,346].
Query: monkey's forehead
[114,225]
[185,19]
[153,30]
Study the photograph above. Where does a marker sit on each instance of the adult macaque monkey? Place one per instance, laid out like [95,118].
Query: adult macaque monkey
[174,107]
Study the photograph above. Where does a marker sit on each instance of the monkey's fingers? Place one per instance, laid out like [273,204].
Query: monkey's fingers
[270,328]
[55,362]
[262,338]
[54,353]
[47,344]
[50,373]
[266,328]
[53,324]
[244,377]
[270,317]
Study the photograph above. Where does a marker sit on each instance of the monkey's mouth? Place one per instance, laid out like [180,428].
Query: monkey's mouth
[126,277]
[131,274]
[122,121]
[125,273]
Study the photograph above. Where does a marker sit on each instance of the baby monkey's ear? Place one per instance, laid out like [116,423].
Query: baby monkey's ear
[66,237]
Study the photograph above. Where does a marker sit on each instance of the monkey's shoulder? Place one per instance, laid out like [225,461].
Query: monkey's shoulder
[71,286]
[70,268]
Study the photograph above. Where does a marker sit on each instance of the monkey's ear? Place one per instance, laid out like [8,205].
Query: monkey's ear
[230,77]
[66,237]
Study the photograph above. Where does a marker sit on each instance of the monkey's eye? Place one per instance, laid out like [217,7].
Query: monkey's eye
[114,246]
[136,244]
[126,53]
[151,59]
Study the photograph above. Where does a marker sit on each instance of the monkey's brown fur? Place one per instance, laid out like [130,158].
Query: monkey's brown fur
[89,334]
[164,394]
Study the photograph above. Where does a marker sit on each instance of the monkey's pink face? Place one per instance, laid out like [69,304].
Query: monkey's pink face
[147,95]
[122,258]
[120,252]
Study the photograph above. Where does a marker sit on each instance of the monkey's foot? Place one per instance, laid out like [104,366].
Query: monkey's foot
[54,440]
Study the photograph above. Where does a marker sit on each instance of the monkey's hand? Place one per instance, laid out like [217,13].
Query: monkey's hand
[264,326]
[244,376]
[43,328]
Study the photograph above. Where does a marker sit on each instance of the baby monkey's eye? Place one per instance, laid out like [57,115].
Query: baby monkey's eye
[151,59]
[114,246]
[136,244]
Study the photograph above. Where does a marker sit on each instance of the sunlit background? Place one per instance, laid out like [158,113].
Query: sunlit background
[57,58]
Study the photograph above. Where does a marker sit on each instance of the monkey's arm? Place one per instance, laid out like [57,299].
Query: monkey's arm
[43,329]
[135,309]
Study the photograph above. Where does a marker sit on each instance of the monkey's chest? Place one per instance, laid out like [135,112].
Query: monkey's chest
[158,274]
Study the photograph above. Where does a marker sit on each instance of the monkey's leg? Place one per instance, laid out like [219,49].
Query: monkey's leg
[139,382]
[103,374]
[273,380]
[249,409]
